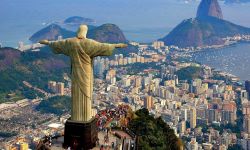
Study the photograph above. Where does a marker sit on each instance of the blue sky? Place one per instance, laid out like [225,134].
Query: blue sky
[21,18]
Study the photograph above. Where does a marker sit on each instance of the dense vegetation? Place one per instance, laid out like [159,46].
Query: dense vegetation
[57,105]
[37,68]
[153,134]
[189,73]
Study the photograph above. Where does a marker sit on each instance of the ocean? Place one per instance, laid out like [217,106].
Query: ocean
[234,59]
[141,20]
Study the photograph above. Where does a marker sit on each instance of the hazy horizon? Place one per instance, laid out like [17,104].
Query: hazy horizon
[144,23]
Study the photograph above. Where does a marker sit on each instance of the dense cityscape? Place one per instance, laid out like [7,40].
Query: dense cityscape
[85,83]
[207,109]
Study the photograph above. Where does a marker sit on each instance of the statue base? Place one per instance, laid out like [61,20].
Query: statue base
[80,135]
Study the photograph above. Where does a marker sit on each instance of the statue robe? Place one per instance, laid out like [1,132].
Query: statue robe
[81,53]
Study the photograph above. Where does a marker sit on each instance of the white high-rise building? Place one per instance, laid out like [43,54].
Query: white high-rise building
[192,117]
[184,114]
[244,95]
[158,44]
[20,45]
[246,124]
[59,37]
[182,127]
[60,88]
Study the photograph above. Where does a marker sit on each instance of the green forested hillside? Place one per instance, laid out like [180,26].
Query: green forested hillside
[153,134]
[189,73]
[34,67]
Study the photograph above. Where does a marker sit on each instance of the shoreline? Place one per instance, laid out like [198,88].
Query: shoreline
[216,47]
[219,69]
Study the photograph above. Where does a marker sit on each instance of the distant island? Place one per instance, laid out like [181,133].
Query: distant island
[207,29]
[77,20]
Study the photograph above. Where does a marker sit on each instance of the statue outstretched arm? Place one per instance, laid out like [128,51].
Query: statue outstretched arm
[102,49]
[45,42]
[58,47]
[121,45]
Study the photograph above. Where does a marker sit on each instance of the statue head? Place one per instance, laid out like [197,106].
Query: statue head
[82,31]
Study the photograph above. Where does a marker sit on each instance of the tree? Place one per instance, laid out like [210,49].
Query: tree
[153,133]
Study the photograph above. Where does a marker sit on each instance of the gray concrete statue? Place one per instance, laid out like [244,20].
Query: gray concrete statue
[82,51]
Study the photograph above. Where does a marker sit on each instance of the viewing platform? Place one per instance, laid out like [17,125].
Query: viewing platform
[107,140]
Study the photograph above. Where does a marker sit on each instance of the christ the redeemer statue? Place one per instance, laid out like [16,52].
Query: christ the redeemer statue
[82,51]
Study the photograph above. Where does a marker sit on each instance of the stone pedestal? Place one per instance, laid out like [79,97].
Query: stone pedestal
[80,135]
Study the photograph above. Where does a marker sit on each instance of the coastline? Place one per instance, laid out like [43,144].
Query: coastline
[214,47]
[220,58]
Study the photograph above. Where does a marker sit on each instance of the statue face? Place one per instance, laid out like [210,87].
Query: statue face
[82,31]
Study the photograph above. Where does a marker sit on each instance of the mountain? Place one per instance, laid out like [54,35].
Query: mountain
[107,33]
[5,54]
[209,8]
[34,67]
[200,32]
[51,32]
[37,68]
[207,29]
[77,20]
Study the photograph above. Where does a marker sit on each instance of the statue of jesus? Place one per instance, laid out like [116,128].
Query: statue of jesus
[82,51]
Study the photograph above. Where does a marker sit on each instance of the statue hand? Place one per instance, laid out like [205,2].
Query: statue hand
[46,42]
[121,45]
